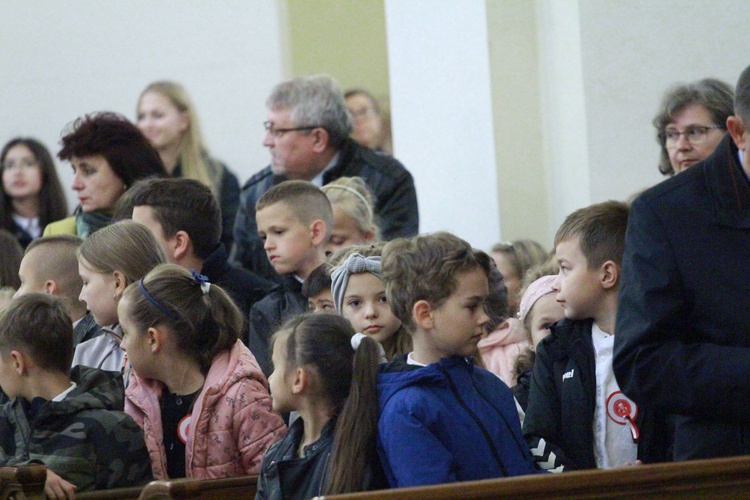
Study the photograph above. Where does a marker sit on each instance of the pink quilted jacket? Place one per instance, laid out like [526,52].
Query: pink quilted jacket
[233,422]
[500,349]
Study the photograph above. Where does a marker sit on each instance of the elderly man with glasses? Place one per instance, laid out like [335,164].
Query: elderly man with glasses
[307,134]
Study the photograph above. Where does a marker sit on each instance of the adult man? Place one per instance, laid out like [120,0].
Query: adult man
[683,324]
[185,218]
[307,133]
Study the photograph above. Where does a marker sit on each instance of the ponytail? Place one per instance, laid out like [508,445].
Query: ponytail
[354,441]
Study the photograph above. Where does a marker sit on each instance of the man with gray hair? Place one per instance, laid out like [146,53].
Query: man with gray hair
[683,324]
[307,133]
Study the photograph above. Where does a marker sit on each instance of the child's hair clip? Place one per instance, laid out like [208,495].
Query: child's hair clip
[201,280]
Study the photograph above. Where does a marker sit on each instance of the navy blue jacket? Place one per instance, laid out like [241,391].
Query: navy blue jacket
[393,186]
[683,322]
[446,422]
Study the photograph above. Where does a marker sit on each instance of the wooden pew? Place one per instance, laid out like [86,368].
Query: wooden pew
[716,478]
[219,489]
[25,481]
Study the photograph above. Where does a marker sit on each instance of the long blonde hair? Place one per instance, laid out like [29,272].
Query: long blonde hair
[194,158]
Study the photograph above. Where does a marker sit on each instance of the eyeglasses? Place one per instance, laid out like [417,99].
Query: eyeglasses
[278,132]
[695,135]
[22,164]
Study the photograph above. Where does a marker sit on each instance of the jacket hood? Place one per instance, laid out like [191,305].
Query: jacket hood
[510,331]
[398,375]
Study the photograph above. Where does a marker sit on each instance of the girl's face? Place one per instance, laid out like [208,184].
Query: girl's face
[98,292]
[366,307]
[280,386]
[546,311]
[135,343]
[22,175]
[160,120]
[345,231]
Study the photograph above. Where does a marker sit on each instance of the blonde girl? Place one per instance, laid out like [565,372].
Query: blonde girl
[359,295]
[167,117]
[327,374]
[108,261]
[195,389]
[353,215]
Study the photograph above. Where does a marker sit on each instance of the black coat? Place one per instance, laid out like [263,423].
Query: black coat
[683,327]
[393,187]
[562,401]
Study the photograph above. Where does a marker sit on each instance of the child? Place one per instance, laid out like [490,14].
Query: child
[195,389]
[186,219]
[317,360]
[513,259]
[577,417]
[359,295]
[441,418]
[108,261]
[317,289]
[69,420]
[293,220]
[539,310]
[50,265]
[353,215]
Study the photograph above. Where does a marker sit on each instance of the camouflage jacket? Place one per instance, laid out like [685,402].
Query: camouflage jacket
[85,438]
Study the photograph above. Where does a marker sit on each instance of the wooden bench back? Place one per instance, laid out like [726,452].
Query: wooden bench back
[716,478]
[233,487]
[26,481]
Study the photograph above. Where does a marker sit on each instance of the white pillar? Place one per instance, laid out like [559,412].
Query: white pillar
[442,113]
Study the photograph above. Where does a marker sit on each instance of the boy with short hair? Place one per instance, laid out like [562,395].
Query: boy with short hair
[294,219]
[577,417]
[50,266]
[317,289]
[442,419]
[65,419]
[185,218]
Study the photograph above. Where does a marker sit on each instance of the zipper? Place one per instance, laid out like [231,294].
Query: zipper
[476,419]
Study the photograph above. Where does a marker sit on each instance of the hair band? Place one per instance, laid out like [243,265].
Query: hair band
[201,280]
[357,341]
[154,302]
[354,192]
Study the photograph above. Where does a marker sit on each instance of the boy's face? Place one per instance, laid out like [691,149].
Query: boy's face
[578,288]
[145,215]
[458,323]
[288,242]
[323,302]
[30,282]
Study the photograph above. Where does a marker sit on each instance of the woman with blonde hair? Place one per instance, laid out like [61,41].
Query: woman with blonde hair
[167,117]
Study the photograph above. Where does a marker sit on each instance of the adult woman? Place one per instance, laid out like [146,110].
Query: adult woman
[108,154]
[691,122]
[30,195]
[167,117]
[370,128]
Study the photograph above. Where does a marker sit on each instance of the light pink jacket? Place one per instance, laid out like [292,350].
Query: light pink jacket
[233,421]
[500,349]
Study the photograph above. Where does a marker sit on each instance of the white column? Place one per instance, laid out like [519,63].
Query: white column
[442,113]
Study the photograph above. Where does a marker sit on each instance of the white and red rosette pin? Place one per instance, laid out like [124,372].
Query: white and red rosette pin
[623,411]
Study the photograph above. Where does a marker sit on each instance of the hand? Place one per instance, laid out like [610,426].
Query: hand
[57,487]
[630,464]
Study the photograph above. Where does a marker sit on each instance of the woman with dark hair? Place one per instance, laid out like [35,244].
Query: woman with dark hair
[31,195]
[108,155]
[691,122]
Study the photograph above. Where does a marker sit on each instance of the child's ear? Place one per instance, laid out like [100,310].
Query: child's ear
[50,287]
[422,314]
[318,232]
[121,283]
[156,338]
[18,362]
[300,382]
[609,275]
[181,245]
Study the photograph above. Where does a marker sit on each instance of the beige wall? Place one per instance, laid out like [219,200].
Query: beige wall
[522,184]
[343,38]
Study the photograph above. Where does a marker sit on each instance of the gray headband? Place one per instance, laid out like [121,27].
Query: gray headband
[354,264]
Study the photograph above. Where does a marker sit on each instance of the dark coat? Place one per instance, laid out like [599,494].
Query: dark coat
[683,323]
[266,316]
[562,401]
[393,186]
[446,422]
[86,329]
